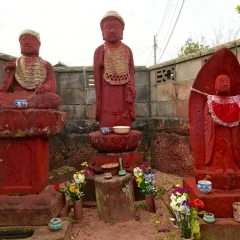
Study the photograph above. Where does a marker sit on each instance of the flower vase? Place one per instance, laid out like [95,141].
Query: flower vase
[192,238]
[78,209]
[150,203]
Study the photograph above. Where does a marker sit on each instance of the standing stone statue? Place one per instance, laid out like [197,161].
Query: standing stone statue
[114,75]
[214,107]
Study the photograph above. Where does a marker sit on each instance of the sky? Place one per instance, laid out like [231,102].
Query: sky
[70,30]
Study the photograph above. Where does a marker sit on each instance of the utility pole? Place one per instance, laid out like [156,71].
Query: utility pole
[154,48]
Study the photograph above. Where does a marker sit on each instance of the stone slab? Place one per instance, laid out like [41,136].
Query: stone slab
[39,232]
[32,209]
[219,202]
[221,229]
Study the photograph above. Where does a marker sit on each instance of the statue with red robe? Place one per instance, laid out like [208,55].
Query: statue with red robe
[114,75]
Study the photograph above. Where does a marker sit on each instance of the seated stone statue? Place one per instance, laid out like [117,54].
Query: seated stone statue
[114,75]
[222,128]
[30,77]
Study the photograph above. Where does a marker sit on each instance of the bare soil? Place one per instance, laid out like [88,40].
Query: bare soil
[145,226]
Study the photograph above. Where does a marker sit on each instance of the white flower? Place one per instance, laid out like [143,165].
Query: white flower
[173,197]
[137,172]
[78,177]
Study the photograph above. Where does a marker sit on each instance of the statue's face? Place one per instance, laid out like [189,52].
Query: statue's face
[29,45]
[112,30]
[222,84]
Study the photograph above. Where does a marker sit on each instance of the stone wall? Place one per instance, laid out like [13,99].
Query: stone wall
[161,109]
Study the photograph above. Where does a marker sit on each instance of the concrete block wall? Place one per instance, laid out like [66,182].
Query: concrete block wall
[171,82]
[3,59]
[77,92]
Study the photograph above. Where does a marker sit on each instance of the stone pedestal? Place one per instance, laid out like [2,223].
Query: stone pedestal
[24,164]
[115,198]
[219,202]
[130,160]
[31,209]
[115,143]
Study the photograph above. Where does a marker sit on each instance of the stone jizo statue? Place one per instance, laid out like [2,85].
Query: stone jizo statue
[114,75]
[30,77]
[222,128]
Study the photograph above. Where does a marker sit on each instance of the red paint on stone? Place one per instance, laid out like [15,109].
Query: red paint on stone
[222,62]
[115,143]
[115,94]
[31,123]
[24,165]
[219,202]
[130,160]
[31,209]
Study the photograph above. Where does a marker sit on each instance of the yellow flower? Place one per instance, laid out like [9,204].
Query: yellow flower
[84,164]
[77,191]
[72,187]
[139,180]
[177,185]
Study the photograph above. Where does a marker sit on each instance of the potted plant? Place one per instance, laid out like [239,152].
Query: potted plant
[145,178]
[186,213]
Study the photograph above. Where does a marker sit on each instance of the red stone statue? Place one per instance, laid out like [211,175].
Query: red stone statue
[114,75]
[214,121]
[28,118]
[221,128]
[215,132]
[115,93]
[30,78]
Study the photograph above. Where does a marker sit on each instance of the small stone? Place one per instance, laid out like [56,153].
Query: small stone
[163,228]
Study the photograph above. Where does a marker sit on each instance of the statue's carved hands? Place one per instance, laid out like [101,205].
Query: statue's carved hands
[10,66]
[130,93]
[41,89]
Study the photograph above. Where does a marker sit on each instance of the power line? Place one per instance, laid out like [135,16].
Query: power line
[172,30]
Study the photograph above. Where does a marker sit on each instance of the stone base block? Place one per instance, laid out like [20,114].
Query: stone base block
[219,202]
[31,210]
[221,229]
[221,181]
[37,233]
[23,165]
[115,198]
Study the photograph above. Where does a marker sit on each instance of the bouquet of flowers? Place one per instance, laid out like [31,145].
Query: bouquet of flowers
[74,189]
[145,178]
[186,212]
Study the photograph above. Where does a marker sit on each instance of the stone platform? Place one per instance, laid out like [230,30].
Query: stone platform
[221,229]
[219,202]
[32,209]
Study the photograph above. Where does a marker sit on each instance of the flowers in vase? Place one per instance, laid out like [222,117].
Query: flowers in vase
[145,178]
[74,188]
[186,212]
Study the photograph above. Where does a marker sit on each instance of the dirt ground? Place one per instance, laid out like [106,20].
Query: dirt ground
[145,225]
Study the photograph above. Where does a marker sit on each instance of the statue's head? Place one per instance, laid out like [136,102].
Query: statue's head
[222,84]
[29,42]
[112,26]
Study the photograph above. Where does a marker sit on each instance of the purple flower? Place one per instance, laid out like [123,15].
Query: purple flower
[182,190]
